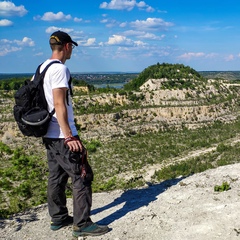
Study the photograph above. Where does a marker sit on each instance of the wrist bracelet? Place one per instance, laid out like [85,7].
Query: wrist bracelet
[69,139]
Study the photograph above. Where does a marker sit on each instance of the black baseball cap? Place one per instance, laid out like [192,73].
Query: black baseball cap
[61,38]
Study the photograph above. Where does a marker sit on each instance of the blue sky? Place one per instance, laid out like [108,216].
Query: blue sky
[122,35]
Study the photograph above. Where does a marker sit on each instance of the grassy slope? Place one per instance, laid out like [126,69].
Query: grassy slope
[24,176]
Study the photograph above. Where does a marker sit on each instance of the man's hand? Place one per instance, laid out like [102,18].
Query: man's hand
[74,144]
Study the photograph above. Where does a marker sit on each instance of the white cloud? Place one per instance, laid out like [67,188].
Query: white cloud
[151,36]
[143,35]
[104,21]
[5,23]
[8,9]
[229,58]
[139,43]
[4,41]
[151,23]
[211,55]
[54,29]
[5,51]
[8,46]
[88,43]
[143,5]
[60,16]
[77,19]
[125,5]
[150,9]
[124,24]
[119,5]
[190,55]
[38,54]
[25,42]
[133,33]
[109,22]
[120,40]
[116,39]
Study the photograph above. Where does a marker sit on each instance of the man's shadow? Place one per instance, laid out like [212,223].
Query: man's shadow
[134,199]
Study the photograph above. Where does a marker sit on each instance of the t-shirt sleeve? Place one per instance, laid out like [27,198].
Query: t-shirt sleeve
[60,76]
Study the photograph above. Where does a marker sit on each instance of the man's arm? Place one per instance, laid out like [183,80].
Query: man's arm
[59,101]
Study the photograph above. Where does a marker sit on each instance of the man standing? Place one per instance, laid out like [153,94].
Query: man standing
[64,147]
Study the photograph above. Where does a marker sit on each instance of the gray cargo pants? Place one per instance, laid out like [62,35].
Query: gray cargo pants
[61,167]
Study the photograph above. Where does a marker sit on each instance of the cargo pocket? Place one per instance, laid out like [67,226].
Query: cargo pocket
[75,159]
[89,175]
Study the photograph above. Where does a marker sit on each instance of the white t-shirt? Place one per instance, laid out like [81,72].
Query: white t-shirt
[57,76]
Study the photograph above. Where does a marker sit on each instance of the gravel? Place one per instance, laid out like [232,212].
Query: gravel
[179,209]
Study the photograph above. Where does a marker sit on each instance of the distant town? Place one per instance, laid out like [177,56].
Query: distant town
[113,77]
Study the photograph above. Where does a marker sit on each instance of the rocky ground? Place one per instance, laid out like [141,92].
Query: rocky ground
[180,209]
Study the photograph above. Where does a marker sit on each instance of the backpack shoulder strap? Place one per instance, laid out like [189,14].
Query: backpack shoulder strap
[38,77]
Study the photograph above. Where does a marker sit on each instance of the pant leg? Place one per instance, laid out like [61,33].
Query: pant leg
[57,180]
[60,167]
[82,202]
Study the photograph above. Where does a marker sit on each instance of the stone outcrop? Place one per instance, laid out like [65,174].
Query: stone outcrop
[159,109]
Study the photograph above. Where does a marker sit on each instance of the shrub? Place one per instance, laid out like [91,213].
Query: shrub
[224,187]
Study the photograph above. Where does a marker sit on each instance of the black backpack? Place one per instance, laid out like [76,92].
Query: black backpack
[31,109]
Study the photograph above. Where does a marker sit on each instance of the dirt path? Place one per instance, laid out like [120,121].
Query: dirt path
[146,175]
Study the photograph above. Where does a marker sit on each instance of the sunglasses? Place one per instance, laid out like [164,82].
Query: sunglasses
[73,46]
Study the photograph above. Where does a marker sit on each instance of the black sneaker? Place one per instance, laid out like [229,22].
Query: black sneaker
[59,224]
[91,230]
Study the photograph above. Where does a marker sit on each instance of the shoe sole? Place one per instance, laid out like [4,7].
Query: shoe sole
[84,234]
[55,228]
